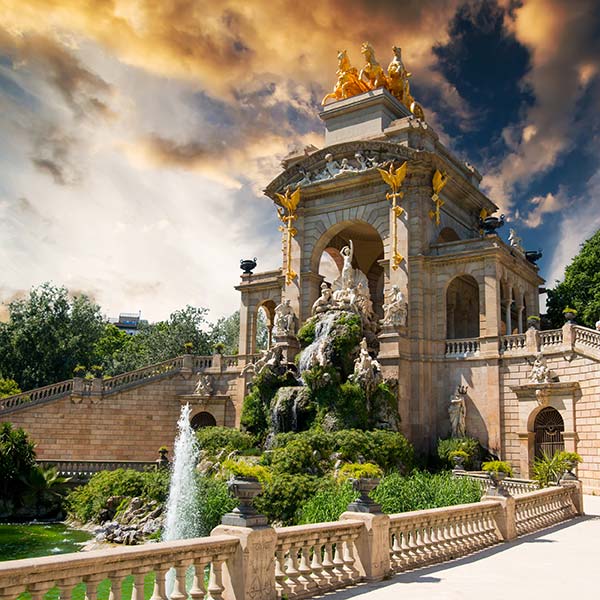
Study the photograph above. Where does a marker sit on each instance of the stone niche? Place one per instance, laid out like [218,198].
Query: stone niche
[533,397]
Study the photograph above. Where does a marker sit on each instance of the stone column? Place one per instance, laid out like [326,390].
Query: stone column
[507,316]
[251,571]
[506,520]
[520,309]
[576,494]
[372,544]
[526,446]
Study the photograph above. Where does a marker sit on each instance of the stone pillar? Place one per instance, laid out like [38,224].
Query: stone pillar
[251,570]
[576,494]
[531,340]
[188,364]
[520,309]
[506,520]
[568,333]
[97,389]
[526,446]
[372,544]
[507,316]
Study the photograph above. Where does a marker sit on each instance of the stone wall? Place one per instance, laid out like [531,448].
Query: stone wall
[126,425]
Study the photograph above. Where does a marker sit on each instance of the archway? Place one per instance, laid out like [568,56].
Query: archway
[548,429]
[462,308]
[264,321]
[368,251]
[203,419]
[447,235]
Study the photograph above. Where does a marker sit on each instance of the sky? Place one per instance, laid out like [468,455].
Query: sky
[136,135]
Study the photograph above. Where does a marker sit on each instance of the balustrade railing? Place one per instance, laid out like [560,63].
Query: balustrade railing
[147,373]
[202,362]
[513,485]
[550,338]
[543,508]
[462,347]
[316,558]
[587,337]
[425,537]
[512,343]
[87,569]
[84,469]
[38,395]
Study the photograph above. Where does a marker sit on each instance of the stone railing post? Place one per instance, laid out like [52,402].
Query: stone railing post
[97,390]
[217,362]
[506,517]
[372,544]
[188,364]
[574,485]
[568,336]
[251,570]
[532,342]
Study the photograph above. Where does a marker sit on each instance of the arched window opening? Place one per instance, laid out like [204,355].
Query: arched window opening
[462,308]
[264,327]
[330,264]
[203,419]
[548,429]
[447,234]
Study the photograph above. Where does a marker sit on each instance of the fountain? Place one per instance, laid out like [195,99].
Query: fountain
[181,519]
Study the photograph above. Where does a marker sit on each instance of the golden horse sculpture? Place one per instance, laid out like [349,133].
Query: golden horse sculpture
[348,83]
[372,76]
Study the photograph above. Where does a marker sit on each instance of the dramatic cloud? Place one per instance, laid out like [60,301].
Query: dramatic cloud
[550,203]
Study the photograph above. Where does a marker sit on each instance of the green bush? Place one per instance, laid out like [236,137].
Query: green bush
[471,446]
[240,468]
[306,333]
[213,502]
[359,470]
[86,502]
[283,497]
[215,439]
[391,450]
[549,469]
[422,490]
[296,457]
[497,466]
[328,503]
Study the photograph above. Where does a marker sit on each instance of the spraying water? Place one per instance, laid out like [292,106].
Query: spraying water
[181,519]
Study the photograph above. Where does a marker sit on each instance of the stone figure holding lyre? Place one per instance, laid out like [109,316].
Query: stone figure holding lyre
[457,411]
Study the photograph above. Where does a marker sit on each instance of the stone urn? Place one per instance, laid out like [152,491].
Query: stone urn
[568,475]
[490,224]
[162,460]
[533,255]
[497,489]
[569,316]
[245,489]
[364,486]
[458,463]
[533,323]
[247,265]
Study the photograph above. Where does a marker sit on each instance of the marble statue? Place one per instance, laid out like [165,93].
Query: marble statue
[347,253]
[457,411]
[285,319]
[204,386]
[515,241]
[324,301]
[540,373]
[367,371]
[395,310]
[598,325]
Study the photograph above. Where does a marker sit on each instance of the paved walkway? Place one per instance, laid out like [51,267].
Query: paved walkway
[558,563]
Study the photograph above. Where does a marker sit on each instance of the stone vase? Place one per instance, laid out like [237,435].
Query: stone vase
[458,463]
[569,316]
[245,489]
[364,486]
[568,475]
[497,489]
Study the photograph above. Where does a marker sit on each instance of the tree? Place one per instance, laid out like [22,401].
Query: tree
[17,460]
[581,287]
[226,331]
[46,335]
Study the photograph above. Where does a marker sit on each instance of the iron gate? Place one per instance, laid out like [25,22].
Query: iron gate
[548,428]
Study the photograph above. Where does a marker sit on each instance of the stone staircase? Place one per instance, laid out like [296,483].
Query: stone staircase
[81,388]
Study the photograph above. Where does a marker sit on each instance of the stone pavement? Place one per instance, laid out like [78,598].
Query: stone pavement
[556,563]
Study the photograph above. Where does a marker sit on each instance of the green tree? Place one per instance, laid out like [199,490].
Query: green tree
[226,331]
[47,334]
[581,287]
[8,387]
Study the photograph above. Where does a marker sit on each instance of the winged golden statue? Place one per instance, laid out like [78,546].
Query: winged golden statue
[439,181]
[290,199]
[394,178]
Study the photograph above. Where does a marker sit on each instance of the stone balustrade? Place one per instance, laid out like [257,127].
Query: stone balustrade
[427,537]
[550,339]
[245,563]
[37,396]
[316,557]
[512,485]
[119,382]
[586,339]
[462,347]
[513,343]
[81,470]
[543,508]
[38,575]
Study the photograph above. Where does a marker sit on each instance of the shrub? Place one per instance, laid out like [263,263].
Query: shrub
[458,453]
[422,490]
[391,450]
[471,446]
[359,470]
[240,468]
[86,502]
[497,466]
[549,469]
[306,333]
[284,495]
[215,439]
[8,387]
[296,457]
[328,503]
[213,502]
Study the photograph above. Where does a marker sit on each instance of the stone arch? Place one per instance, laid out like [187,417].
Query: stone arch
[462,307]
[268,306]
[447,234]
[330,264]
[548,430]
[368,251]
[203,419]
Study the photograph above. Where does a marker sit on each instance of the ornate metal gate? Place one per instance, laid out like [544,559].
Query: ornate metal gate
[548,427]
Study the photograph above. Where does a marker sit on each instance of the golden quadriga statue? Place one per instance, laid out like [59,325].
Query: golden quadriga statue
[372,76]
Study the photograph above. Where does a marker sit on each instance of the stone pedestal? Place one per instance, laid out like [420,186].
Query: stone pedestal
[372,544]
[251,571]
[290,345]
[506,519]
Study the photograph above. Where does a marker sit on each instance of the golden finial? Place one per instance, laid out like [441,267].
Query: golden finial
[394,178]
[290,201]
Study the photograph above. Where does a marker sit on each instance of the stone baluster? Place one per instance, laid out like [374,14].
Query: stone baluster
[292,569]
[159,592]
[179,592]
[349,560]
[306,584]
[338,564]
[138,587]
[280,576]
[315,565]
[328,564]
[215,580]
